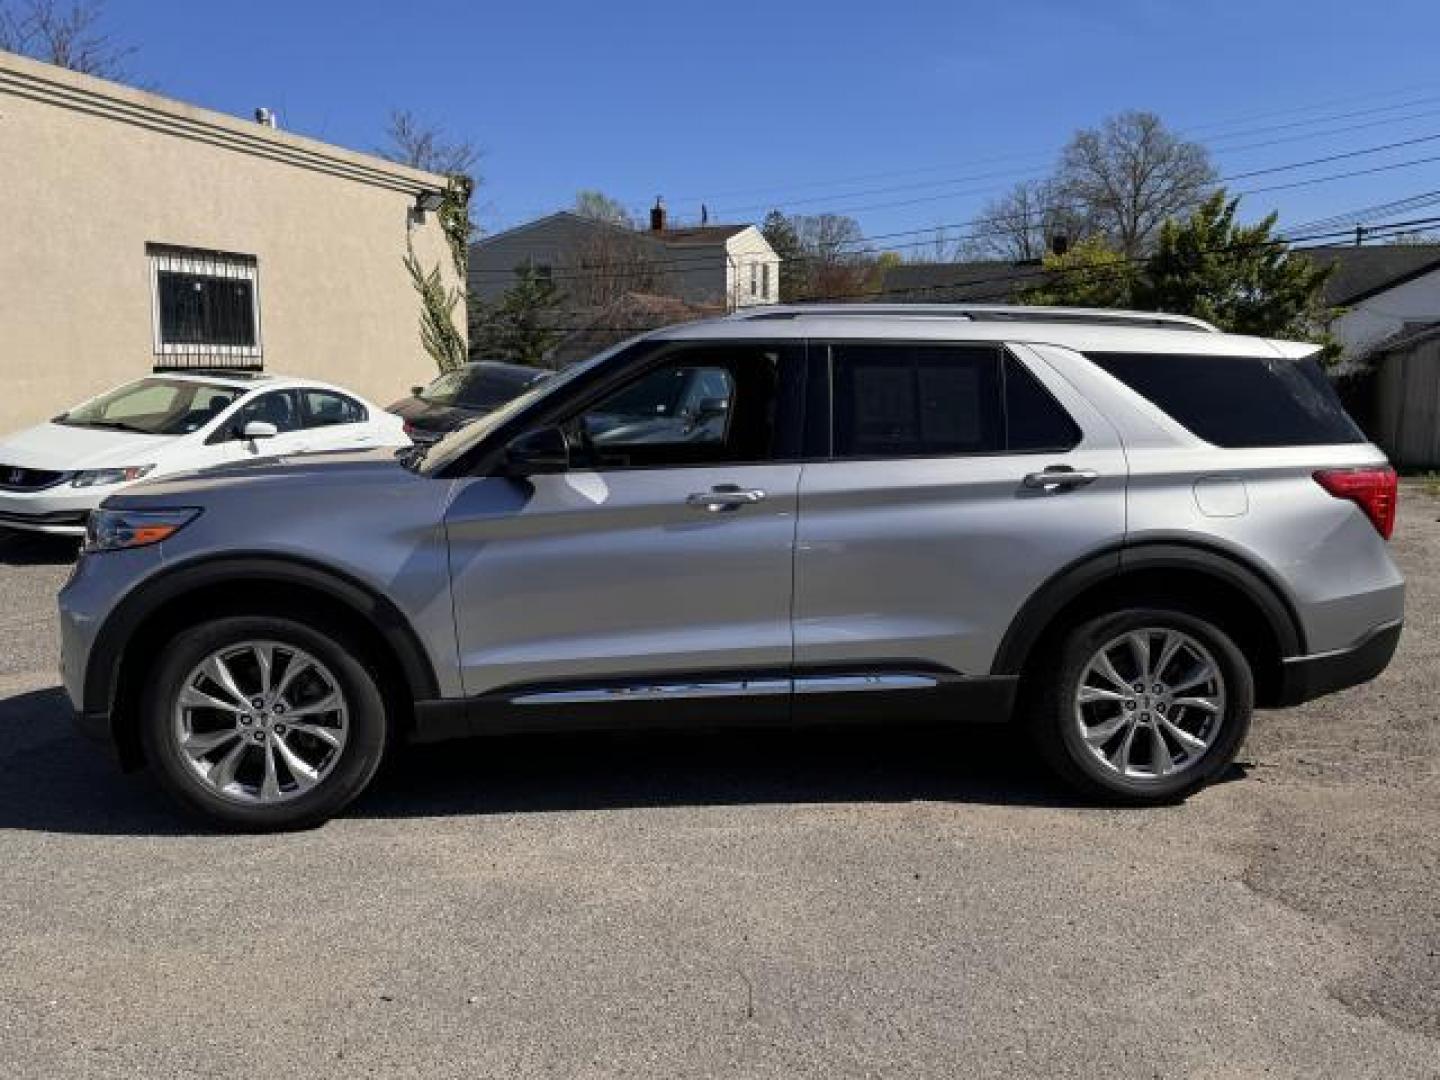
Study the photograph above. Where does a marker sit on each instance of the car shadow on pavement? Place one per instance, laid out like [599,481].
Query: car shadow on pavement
[36,549]
[52,780]
[650,769]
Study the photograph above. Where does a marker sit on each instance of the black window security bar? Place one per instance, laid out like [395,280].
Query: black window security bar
[206,309]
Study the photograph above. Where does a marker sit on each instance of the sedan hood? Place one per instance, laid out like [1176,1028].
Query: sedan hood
[64,448]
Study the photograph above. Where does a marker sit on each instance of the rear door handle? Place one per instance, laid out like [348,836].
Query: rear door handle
[1060,478]
[724,497]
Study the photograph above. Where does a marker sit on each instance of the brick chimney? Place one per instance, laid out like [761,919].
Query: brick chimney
[657,215]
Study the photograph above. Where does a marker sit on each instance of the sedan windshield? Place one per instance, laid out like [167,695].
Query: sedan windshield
[157,406]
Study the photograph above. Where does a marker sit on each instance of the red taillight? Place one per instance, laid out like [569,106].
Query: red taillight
[409,428]
[1374,490]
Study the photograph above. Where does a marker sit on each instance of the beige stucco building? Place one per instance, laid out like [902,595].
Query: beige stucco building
[138,233]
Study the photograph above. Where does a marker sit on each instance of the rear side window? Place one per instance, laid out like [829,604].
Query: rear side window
[1239,401]
[916,401]
[941,401]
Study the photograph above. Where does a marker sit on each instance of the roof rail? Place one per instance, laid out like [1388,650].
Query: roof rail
[985,313]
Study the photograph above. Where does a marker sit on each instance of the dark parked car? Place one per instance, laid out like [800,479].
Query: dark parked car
[459,396]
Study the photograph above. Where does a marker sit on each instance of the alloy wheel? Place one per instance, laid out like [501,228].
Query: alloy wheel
[1150,703]
[261,721]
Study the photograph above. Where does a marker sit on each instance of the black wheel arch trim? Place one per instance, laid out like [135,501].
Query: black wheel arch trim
[102,672]
[1159,553]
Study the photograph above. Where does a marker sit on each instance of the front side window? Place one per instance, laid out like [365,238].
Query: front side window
[206,306]
[277,407]
[157,406]
[703,406]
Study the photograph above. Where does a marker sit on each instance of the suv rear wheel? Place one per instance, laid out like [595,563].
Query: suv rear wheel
[262,723]
[1143,705]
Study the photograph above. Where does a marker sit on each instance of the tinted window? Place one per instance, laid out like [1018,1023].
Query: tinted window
[916,400]
[324,408]
[1239,401]
[704,406]
[1034,420]
[478,387]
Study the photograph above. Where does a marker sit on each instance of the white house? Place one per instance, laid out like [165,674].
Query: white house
[1380,290]
[596,262]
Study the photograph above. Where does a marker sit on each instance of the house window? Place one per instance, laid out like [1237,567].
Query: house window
[754,279]
[205,308]
[765,280]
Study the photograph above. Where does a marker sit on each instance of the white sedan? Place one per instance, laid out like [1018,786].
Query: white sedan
[53,475]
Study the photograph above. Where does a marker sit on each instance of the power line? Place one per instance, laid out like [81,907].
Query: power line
[629,269]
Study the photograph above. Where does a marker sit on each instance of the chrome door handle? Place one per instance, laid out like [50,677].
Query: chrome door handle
[724,497]
[1060,478]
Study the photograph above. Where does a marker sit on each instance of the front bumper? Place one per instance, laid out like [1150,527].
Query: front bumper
[60,510]
[1305,678]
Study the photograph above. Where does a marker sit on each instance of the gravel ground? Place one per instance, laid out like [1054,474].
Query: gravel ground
[863,904]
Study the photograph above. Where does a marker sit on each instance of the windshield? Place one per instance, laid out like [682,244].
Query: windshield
[476,388]
[434,457]
[154,407]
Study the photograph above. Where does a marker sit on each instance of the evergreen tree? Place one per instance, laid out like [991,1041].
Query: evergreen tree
[520,326]
[794,266]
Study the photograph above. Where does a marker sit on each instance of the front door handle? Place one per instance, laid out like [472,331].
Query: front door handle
[724,497]
[1060,478]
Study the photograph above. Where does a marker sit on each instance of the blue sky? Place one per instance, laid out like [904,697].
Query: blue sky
[908,114]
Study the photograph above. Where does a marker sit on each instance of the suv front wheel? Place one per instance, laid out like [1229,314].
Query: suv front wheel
[262,723]
[1143,705]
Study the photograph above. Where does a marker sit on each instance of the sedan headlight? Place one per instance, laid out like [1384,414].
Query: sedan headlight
[102,477]
[115,530]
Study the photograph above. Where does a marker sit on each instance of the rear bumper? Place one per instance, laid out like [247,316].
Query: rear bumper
[1304,678]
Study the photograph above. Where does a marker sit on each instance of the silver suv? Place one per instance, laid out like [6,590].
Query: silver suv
[1122,530]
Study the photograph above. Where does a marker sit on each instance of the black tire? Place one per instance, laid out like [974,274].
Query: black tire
[351,771]
[1053,685]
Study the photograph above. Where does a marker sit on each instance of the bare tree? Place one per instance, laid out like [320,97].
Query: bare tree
[1130,175]
[609,264]
[598,206]
[1021,225]
[68,35]
[837,264]
[411,141]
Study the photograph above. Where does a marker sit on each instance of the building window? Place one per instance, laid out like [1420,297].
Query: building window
[765,280]
[754,279]
[205,308]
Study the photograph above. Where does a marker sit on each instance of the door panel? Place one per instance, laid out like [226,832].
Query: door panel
[617,573]
[928,559]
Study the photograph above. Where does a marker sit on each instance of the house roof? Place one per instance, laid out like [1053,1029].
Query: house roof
[699,234]
[974,282]
[1362,271]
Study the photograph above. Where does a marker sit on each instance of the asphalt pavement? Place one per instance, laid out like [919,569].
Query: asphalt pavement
[870,903]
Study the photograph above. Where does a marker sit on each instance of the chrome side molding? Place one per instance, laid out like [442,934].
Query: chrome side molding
[805,684]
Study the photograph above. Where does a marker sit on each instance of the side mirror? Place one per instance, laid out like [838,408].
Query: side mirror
[711,407]
[541,451]
[259,429]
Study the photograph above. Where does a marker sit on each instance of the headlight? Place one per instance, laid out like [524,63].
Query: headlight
[101,477]
[115,530]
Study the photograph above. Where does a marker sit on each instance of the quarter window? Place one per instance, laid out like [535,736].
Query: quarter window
[324,408]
